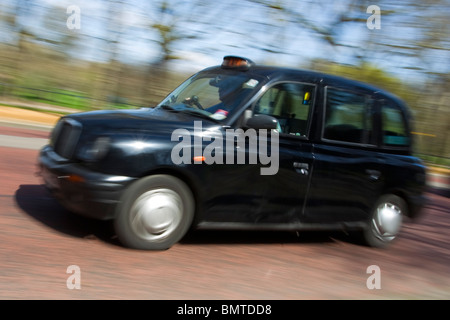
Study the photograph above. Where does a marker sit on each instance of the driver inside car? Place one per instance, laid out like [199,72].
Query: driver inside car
[230,92]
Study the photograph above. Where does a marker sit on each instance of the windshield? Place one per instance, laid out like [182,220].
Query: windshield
[212,95]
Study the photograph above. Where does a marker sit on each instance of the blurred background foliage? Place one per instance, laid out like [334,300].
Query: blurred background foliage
[128,53]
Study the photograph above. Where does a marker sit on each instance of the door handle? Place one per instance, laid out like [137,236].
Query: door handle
[301,167]
[374,175]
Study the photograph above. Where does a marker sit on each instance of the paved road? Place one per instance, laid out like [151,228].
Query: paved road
[40,241]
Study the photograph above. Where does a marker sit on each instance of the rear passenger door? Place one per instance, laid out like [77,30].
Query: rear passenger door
[346,178]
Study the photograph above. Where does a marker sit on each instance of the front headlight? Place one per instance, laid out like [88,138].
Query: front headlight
[95,150]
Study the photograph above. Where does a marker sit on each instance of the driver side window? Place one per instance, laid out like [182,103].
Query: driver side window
[290,103]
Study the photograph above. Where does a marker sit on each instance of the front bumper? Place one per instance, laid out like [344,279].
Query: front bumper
[80,189]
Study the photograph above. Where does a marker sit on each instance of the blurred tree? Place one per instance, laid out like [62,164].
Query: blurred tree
[113,74]
[172,21]
[57,35]
[14,17]
[413,36]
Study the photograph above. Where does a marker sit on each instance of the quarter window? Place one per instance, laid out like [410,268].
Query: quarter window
[290,103]
[348,116]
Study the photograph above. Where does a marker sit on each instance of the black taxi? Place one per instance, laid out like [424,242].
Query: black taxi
[242,146]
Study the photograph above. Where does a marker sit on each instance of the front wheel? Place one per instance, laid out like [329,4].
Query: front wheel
[385,222]
[155,213]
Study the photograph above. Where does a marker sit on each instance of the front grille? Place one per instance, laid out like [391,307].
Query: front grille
[65,137]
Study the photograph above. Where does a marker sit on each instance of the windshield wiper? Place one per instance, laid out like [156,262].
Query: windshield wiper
[188,110]
[199,114]
[168,107]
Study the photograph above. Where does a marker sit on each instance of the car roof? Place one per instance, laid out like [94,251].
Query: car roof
[275,73]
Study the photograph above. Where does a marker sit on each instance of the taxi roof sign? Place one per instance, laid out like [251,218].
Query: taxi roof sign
[236,62]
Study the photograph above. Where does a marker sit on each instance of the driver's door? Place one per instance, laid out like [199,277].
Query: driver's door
[243,193]
[285,192]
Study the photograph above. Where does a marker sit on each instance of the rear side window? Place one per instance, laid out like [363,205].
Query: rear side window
[393,125]
[348,116]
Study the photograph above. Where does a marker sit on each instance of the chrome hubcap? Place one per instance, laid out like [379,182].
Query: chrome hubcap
[156,214]
[387,222]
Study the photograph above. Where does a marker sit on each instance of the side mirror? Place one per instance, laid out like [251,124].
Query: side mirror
[262,121]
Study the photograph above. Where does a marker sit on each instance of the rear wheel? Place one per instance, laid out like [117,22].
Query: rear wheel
[155,213]
[385,222]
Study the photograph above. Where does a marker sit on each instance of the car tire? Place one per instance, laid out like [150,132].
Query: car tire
[155,213]
[385,221]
